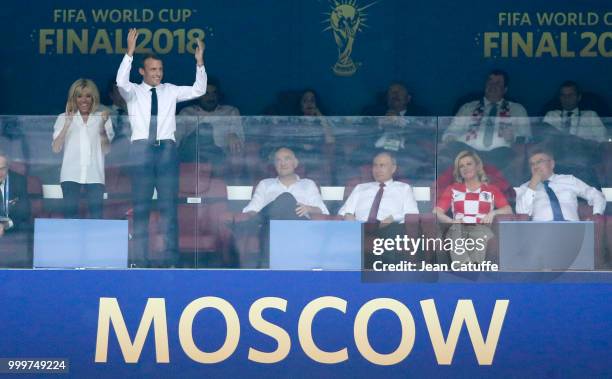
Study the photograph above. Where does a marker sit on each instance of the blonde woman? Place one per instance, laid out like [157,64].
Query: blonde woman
[83,133]
[474,203]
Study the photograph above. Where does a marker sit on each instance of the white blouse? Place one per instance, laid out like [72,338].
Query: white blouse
[83,159]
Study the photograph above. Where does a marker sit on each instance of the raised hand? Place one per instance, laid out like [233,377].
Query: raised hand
[199,53]
[105,115]
[536,178]
[131,41]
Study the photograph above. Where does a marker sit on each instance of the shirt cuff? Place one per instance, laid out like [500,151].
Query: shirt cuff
[130,59]
[8,224]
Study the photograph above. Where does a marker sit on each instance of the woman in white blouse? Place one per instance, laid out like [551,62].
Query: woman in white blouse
[84,133]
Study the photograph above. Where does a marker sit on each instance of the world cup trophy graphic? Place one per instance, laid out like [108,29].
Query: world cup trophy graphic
[345,21]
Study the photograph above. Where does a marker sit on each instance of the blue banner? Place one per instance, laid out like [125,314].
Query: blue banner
[303,324]
[348,50]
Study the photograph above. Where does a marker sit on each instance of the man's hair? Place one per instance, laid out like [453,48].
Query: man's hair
[541,150]
[387,153]
[213,81]
[150,55]
[498,72]
[572,84]
[398,83]
[283,148]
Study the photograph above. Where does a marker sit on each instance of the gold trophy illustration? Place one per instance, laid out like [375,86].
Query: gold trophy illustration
[345,21]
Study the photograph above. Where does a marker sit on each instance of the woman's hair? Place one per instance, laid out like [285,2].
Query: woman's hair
[482,177]
[76,89]
[304,92]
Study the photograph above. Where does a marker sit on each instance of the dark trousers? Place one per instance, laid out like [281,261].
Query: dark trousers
[72,194]
[154,166]
[281,208]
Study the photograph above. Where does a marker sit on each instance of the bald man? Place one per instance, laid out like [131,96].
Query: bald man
[287,196]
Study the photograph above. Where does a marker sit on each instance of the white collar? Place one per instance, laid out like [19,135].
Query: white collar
[297,177]
[148,87]
[487,102]
[387,183]
[574,111]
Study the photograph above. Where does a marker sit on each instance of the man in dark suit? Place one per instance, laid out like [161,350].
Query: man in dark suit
[15,226]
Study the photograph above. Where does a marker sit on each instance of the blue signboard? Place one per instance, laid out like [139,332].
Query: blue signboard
[303,324]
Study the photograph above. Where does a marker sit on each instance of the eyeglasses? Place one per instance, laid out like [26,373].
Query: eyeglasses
[538,162]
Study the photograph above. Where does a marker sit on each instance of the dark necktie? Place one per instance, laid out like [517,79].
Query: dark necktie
[567,123]
[376,203]
[153,122]
[490,126]
[2,212]
[554,202]
[119,122]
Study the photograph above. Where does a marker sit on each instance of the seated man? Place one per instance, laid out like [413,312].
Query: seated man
[551,197]
[402,132]
[383,200]
[14,218]
[227,134]
[286,197]
[575,133]
[490,126]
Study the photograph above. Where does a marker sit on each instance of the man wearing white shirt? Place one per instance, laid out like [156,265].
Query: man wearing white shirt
[228,134]
[551,197]
[575,134]
[152,107]
[571,120]
[287,196]
[383,200]
[407,134]
[216,136]
[490,126]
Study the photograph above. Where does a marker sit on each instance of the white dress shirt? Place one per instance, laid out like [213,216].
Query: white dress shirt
[225,119]
[138,99]
[392,138]
[582,124]
[567,188]
[83,160]
[305,192]
[464,119]
[397,201]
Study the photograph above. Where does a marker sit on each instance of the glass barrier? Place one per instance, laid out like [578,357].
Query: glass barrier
[205,200]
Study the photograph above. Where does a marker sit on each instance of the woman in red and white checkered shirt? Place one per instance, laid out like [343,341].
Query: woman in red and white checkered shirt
[474,203]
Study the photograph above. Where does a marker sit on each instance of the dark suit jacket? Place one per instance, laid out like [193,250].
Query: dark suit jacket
[19,203]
